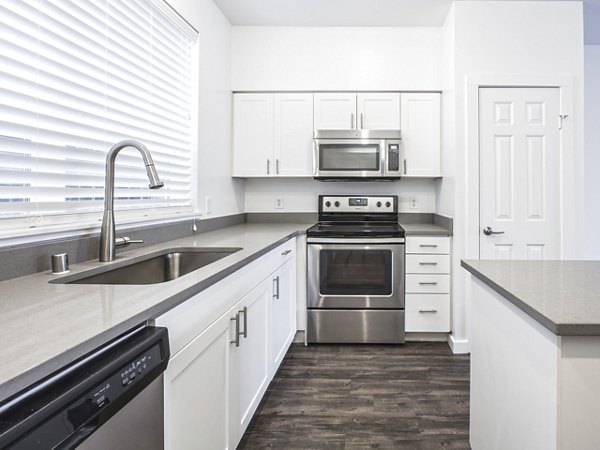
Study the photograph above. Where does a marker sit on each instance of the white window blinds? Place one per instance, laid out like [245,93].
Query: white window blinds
[75,78]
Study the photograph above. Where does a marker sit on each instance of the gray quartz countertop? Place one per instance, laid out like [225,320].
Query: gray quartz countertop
[563,296]
[45,326]
[425,229]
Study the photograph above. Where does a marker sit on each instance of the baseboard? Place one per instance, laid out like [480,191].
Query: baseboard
[458,346]
[426,337]
[300,337]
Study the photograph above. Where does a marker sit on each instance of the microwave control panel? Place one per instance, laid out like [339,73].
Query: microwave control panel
[365,204]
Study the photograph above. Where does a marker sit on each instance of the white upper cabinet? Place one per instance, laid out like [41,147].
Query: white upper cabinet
[252,134]
[352,111]
[272,135]
[335,111]
[378,111]
[421,134]
[293,134]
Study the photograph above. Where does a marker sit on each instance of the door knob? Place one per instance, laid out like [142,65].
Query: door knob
[488,231]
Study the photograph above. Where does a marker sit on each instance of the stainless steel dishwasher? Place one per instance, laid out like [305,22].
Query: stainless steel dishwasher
[111,398]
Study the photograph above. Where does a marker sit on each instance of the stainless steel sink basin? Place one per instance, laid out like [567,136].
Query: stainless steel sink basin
[157,268]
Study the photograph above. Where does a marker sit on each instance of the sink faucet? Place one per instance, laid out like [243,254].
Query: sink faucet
[108,241]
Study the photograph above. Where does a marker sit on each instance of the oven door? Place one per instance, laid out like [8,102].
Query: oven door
[349,158]
[357,275]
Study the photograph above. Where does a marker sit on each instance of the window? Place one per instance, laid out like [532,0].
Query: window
[75,78]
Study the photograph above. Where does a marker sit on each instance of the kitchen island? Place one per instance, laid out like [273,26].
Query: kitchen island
[535,354]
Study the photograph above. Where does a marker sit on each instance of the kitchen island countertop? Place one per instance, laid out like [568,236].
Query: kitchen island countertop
[563,296]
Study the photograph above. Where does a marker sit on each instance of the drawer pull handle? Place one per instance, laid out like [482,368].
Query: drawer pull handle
[236,319]
[245,313]
[428,310]
[287,252]
[276,288]
[428,283]
[428,245]
[428,263]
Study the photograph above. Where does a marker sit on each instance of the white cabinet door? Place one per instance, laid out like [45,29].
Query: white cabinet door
[421,134]
[335,111]
[283,313]
[197,391]
[252,356]
[293,134]
[253,135]
[378,111]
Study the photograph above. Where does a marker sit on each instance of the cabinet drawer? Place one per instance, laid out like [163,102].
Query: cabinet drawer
[428,244]
[283,253]
[428,263]
[428,313]
[427,284]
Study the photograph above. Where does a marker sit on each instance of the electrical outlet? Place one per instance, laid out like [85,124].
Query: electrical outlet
[278,202]
[413,203]
[208,205]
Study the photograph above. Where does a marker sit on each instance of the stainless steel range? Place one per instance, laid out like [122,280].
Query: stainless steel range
[356,271]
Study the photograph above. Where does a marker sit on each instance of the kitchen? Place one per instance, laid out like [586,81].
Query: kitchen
[449,50]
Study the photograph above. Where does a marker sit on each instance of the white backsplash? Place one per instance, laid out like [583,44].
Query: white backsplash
[300,194]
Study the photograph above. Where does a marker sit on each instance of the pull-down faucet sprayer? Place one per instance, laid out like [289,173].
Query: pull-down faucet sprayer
[108,241]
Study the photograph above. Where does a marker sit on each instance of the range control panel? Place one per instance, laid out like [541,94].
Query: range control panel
[363,204]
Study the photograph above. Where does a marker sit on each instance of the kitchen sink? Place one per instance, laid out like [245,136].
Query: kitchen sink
[157,268]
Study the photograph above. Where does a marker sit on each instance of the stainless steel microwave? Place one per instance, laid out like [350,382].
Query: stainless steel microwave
[357,155]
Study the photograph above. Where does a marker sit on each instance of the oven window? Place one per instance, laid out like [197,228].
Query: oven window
[355,272]
[349,157]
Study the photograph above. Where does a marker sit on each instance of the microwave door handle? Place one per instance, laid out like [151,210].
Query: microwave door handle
[352,121]
[383,158]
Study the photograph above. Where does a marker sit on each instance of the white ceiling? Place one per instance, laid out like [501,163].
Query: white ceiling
[340,12]
[335,12]
[349,13]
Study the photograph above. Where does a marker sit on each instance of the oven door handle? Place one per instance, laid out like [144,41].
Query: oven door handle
[356,241]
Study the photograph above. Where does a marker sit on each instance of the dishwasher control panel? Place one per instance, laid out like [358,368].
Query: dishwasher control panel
[71,405]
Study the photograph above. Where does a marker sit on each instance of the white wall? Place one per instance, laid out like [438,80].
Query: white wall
[525,38]
[300,194]
[592,151]
[214,108]
[336,58]
[445,186]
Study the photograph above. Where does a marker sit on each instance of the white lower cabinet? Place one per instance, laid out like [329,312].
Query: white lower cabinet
[215,382]
[251,359]
[283,313]
[197,391]
[427,284]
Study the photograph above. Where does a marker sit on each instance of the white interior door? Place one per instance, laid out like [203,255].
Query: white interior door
[519,151]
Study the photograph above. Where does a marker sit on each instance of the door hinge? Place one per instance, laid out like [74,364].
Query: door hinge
[561,117]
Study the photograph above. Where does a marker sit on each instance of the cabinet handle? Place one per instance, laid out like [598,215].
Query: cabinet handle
[404,166]
[428,283]
[352,121]
[428,245]
[268,166]
[428,263]
[361,121]
[276,287]
[287,252]
[428,310]
[277,166]
[245,313]
[237,330]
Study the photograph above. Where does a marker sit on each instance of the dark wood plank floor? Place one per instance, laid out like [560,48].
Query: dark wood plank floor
[414,396]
